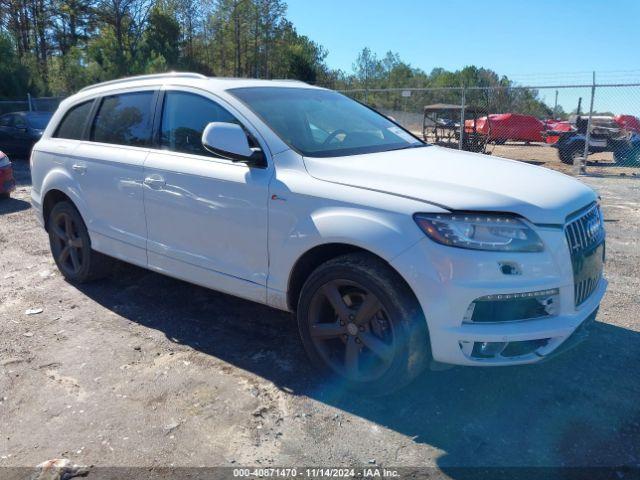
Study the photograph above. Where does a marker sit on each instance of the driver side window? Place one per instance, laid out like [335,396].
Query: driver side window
[184,118]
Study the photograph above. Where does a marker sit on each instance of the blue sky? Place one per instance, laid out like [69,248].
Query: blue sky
[531,41]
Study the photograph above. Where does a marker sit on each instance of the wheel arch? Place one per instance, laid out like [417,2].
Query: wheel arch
[316,256]
[51,198]
[58,186]
[573,142]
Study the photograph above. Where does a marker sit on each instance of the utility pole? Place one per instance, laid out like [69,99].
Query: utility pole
[462,120]
[583,167]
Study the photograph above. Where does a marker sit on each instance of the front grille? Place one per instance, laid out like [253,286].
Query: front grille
[585,236]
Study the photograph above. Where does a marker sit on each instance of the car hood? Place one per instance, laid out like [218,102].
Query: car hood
[458,180]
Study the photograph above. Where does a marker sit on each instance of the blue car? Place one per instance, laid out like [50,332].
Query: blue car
[19,131]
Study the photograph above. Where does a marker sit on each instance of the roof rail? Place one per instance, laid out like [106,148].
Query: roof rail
[146,77]
[292,80]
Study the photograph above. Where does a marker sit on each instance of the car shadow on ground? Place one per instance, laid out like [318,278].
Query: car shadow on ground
[579,409]
[13,205]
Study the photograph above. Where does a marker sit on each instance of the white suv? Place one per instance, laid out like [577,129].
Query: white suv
[392,252]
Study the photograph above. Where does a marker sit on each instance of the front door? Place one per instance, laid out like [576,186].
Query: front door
[206,216]
[8,140]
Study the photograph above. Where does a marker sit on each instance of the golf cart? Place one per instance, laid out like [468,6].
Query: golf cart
[441,126]
[605,136]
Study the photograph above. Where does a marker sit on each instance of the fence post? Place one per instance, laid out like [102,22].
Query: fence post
[29,102]
[462,105]
[583,163]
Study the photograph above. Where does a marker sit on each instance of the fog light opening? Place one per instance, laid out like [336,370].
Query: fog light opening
[512,307]
[487,349]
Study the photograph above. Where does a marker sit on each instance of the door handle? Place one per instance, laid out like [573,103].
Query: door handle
[77,167]
[155,181]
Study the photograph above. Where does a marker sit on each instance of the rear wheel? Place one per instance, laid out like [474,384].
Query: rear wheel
[630,157]
[359,322]
[71,246]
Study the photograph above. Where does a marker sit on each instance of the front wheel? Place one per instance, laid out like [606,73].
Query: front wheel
[71,246]
[568,155]
[360,323]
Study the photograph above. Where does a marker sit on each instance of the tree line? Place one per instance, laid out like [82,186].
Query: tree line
[55,47]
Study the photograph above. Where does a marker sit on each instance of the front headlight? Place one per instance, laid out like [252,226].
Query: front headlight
[480,231]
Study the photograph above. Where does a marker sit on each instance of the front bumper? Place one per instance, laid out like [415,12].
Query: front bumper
[447,280]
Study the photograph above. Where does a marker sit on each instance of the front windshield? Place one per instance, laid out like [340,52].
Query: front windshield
[39,121]
[323,123]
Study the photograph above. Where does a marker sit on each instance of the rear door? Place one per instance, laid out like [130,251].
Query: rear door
[206,216]
[58,150]
[109,169]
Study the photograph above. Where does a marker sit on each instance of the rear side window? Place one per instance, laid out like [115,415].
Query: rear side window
[184,118]
[74,121]
[124,119]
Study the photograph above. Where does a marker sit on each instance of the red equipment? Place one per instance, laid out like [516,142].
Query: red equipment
[510,126]
[7,182]
[628,122]
[556,126]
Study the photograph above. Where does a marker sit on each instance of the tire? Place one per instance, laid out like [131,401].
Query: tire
[619,158]
[568,154]
[71,246]
[390,343]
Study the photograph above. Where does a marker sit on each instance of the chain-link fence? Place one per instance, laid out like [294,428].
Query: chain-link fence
[583,128]
[30,104]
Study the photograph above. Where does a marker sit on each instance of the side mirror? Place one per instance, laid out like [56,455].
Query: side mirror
[229,140]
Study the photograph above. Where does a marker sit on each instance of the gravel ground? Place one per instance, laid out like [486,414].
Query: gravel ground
[144,370]
[541,153]
[600,164]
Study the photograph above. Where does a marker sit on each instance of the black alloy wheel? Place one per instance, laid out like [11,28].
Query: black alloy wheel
[71,246]
[351,330]
[360,323]
[68,248]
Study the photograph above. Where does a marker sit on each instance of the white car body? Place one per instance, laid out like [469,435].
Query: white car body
[242,230]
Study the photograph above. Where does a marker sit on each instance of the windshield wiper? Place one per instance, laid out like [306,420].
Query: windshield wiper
[413,145]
